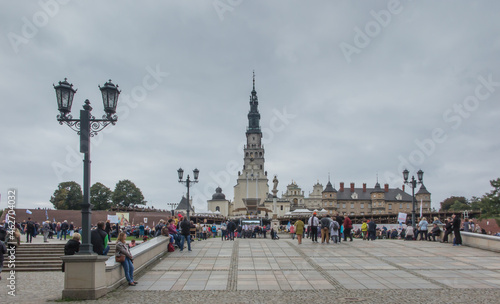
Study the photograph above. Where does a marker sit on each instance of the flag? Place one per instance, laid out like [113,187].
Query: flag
[288,226]
[28,211]
[54,220]
[420,207]
[46,214]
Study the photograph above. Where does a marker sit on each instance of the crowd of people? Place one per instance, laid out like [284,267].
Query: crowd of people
[335,228]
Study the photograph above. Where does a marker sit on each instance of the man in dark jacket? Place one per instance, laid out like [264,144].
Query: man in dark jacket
[64,229]
[231,226]
[107,229]
[372,230]
[30,230]
[448,229]
[99,240]
[456,230]
[185,233]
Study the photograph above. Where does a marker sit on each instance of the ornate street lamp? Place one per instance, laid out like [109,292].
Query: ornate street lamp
[413,183]
[87,126]
[188,182]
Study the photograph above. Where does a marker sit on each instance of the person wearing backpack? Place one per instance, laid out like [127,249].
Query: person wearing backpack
[334,231]
[30,230]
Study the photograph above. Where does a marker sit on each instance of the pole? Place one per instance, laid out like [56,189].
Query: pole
[86,247]
[413,185]
[187,183]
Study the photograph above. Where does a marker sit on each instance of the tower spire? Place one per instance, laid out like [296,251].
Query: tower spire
[254,115]
[253,80]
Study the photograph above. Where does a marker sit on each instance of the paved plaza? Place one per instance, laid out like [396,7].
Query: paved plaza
[264,270]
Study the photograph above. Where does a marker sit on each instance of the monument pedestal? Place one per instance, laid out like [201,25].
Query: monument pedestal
[84,277]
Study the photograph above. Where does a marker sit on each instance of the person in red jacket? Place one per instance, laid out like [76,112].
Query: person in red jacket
[347,228]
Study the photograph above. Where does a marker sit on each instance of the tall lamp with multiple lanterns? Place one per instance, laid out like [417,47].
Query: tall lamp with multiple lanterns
[188,183]
[87,126]
[413,183]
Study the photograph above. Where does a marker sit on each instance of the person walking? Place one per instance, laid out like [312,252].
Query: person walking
[334,231]
[45,231]
[299,230]
[64,229]
[456,230]
[30,230]
[231,227]
[128,263]
[347,228]
[313,222]
[372,230]
[185,233]
[292,231]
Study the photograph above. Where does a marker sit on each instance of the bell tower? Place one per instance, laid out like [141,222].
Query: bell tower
[252,186]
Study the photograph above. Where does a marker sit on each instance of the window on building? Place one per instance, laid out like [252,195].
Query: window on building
[217,208]
[400,205]
[352,213]
[352,205]
[331,204]
[281,207]
[338,205]
[343,206]
[399,197]
[390,206]
[362,206]
[408,205]
[380,204]
[362,213]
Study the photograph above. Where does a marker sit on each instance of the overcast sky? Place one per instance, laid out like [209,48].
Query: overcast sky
[350,88]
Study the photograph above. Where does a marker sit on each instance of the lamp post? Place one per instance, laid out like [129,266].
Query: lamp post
[188,182]
[172,206]
[87,126]
[413,183]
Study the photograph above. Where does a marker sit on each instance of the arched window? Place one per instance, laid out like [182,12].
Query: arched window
[217,208]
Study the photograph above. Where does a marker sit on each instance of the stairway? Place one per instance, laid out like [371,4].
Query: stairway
[41,257]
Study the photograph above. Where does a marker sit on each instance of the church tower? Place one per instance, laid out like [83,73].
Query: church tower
[252,185]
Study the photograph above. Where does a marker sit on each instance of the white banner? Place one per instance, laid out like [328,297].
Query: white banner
[113,218]
[145,220]
[402,217]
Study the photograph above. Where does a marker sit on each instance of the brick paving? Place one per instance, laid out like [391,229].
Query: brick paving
[263,271]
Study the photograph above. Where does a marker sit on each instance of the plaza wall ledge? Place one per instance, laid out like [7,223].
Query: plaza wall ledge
[482,241]
[89,277]
[144,254]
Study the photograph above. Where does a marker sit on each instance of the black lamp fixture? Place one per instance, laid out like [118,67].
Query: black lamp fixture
[87,126]
[188,183]
[413,183]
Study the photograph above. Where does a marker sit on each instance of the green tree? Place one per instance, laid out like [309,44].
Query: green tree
[68,196]
[447,203]
[490,202]
[459,206]
[100,197]
[126,194]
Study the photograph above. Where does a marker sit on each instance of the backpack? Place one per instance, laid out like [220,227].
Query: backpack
[171,247]
[30,225]
[335,226]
